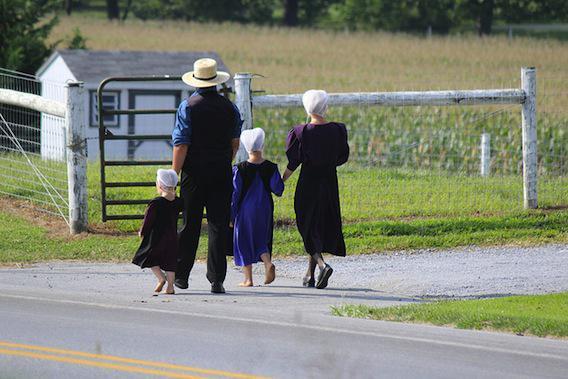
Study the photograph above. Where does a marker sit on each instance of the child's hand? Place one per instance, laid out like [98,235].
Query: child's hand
[230,224]
[140,233]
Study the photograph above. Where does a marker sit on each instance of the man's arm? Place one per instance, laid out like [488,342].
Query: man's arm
[180,152]
[235,143]
[181,137]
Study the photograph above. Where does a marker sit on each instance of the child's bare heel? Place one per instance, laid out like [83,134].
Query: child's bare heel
[170,291]
[270,274]
[159,286]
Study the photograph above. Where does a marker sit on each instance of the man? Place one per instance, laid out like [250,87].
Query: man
[206,139]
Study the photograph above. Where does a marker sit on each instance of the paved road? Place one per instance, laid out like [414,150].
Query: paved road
[103,322]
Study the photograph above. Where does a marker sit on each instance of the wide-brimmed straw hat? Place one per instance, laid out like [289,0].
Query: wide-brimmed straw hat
[205,74]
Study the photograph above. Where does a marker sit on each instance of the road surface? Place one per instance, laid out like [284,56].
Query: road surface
[70,320]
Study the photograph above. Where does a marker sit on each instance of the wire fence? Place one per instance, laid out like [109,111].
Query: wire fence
[412,161]
[32,148]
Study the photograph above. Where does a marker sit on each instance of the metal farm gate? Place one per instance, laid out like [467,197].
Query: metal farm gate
[134,141]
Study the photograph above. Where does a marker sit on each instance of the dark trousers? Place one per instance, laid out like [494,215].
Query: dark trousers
[208,188]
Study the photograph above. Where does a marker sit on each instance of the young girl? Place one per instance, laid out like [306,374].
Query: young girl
[252,207]
[159,247]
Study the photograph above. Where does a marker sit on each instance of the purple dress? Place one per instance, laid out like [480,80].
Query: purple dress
[319,149]
[159,246]
[252,209]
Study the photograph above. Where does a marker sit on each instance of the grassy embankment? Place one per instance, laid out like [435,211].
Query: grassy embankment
[392,218]
[541,315]
[430,198]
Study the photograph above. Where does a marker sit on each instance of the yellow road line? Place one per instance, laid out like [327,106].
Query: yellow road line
[85,362]
[113,358]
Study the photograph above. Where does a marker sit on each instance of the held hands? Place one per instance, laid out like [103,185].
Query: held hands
[287,174]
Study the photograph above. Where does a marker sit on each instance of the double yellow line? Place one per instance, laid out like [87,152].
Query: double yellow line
[112,362]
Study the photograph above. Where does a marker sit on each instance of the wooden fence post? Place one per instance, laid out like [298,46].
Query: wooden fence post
[244,103]
[530,152]
[76,150]
[485,154]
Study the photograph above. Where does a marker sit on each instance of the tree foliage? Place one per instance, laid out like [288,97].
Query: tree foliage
[255,11]
[442,16]
[24,28]
[407,15]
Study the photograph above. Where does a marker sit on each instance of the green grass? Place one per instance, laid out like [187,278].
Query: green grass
[541,315]
[383,209]
[370,194]
[22,241]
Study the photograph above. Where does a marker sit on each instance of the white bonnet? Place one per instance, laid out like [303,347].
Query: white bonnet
[315,102]
[253,139]
[167,178]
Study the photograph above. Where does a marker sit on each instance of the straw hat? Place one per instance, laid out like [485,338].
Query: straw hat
[205,74]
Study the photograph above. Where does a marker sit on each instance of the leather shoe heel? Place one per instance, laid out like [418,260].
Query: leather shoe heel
[217,287]
[182,284]
[308,282]
[323,277]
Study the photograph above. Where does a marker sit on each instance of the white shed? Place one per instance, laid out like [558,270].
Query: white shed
[91,67]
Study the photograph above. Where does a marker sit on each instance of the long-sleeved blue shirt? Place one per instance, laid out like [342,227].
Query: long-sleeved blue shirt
[182,129]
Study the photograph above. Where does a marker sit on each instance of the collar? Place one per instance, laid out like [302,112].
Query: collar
[206,90]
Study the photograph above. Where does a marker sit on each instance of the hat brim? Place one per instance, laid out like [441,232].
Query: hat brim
[190,80]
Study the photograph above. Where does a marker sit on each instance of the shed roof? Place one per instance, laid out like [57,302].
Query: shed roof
[96,65]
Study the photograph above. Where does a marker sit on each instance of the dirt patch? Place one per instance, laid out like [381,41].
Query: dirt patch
[54,225]
[553,208]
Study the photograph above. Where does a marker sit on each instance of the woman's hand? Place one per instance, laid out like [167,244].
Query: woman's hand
[287,174]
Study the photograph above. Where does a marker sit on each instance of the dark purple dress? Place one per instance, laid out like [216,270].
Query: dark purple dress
[319,149]
[159,245]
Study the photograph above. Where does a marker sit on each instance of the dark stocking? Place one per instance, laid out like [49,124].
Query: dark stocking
[311,268]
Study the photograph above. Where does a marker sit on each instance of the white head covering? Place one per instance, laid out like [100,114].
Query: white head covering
[315,102]
[253,139]
[167,178]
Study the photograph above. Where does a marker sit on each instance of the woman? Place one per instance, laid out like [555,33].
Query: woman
[319,146]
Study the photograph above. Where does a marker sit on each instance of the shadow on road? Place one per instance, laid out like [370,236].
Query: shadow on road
[359,294]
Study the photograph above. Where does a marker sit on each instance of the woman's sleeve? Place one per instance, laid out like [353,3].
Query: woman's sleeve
[237,188]
[276,183]
[343,155]
[293,151]
[149,218]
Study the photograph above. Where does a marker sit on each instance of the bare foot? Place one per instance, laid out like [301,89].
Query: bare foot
[170,291]
[159,286]
[246,283]
[270,275]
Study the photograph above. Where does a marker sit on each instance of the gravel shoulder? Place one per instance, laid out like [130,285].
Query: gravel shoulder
[455,273]
[463,272]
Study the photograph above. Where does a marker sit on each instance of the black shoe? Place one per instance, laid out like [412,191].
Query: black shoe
[309,281]
[324,276]
[217,287]
[181,283]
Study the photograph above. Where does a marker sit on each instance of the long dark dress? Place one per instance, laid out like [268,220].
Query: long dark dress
[159,245]
[319,149]
[252,209]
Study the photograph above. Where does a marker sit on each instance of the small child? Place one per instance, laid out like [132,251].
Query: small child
[159,247]
[252,207]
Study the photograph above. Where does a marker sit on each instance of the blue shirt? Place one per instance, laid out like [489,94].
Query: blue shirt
[182,129]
